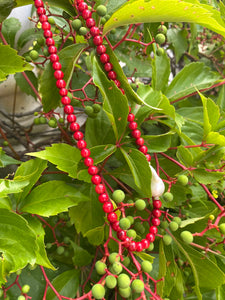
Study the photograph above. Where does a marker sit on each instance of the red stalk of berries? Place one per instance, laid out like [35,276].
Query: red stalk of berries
[96,179]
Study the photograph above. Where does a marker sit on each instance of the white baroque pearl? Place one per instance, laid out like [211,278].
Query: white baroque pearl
[157,185]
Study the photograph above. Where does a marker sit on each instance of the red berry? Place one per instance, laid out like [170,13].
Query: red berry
[68,109]
[50,42]
[153,230]
[101,49]
[48,34]
[82,6]
[155,221]
[107,207]
[43,18]
[65,100]
[85,152]
[143,149]
[74,126]
[100,188]
[136,133]
[112,75]
[133,125]
[122,91]
[116,226]
[150,237]
[156,213]
[104,58]
[112,217]
[145,243]
[108,67]
[46,26]
[140,141]
[81,144]
[103,198]
[130,117]
[78,135]
[122,235]
[86,14]
[71,118]
[60,83]
[41,11]
[132,246]
[139,247]
[117,82]
[94,30]
[157,203]
[52,49]
[79,1]
[96,179]
[38,3]
[54,58]
[148,156]
[90,22]
[93,170]
[63,92]
[58,74]
[88,160]
[126,242]
[57,66]
[97,40]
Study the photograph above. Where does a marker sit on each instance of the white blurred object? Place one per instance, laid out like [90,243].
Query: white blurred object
[157,185]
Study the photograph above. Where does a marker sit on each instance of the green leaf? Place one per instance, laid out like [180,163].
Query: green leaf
[140,169]
[12,186]
[5,203]
[178,38]
[11,62]
[81,256]
[113,98]
[28,35]
[212,155]
[5,8]
[41,255]
[184,156]
[24,85]
[66,284]
[95,236]
[65,157]
[192,77]
[30,171]
[51,198]
[141,11]
[9,29]
[68,57]
[162,268]
[215,138]
[158,143]
[6,160]
[17,243]
[160,72]
[100,153]
[206,177]
[145,256]
[221,99]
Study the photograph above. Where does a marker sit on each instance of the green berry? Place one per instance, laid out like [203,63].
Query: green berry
[173,226]
[180,262]
[139,227]
[131,219]
[107,17]
[76,24]
[114,257]
[36,121]
[67,239]
[110,281]
[28,58]
[222,228]
[51,20]
[100,267]
[101,10]
[187,236]
[35,113]
[123,281]
[164,224]
[103,21]
[60,250]
[45,52]
[140,204]
[34,54]
[162,29]
[41,41]
[42,120]
[167,239]
[61,120]
[21,297]
[168,196]
[18,272]
[125,293]
[131,233]
[118,196]
[151,247]
[88,110]
[52,123]
[137,286]
[96,108]
[160,38]
[48,245]
[146,266]
[160,51]
[124,223]
[5,143]
[117,268]
[177,220]
[126,261]
[113,31]
[25,289]
[83,31]
[98,291]
[182,179]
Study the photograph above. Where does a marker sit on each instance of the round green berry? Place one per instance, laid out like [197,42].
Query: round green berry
[139,227]
[146,266]
[48,246]
[118,196]
[18,272]
[222,228]
[187,236]
[125,293]
[28,58]
[51,20]
[103,21]
[45,52]
[177,220]
[124,223]
[36,121]
[123,281]
[131,233]
[83,31]
[162,29]
[100,267]
[140,204]
[98,291]
[182,179]
[113,31]
[160,38]
[117,268]
[167,239]
[107,17]
[96,107]
[168,196]
[76,24]
[88,110]
[25,289]
[60,250]
[151,247]
[137,286]
[110,281]
[160,51]
[173,226]
[126,261]
[52,123]
[21,297]
[34,54]
[101,10]
[41,41]
[164,224]
[61,120]
[131,219]
[35,113]
[67,239]
[5,143]
[114,257]
[42,120]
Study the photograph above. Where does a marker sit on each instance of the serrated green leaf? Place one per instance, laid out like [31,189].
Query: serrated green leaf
[162,268]
[5,8]
[141,11]
[81,256]
[12,186]
[185,156]
[206,177]
[6,160]
[100,153]
[215,138]
[51,198]
[158,143]
[5,203]
[140,169]
[145,256]
[24,85]
[95,236]
[212,155]
[9,29]
[11,62]
[66,284]
[190,221]
[65,157]
[194,76]
[17,243]
[178,38]
[160,72]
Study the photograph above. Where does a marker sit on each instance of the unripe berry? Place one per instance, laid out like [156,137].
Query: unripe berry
[100,267]
[131,233]
[89,110]
[126,261]
[33,54]
[124,223]
[160,38]
[146,266]
[110,281]
[5,143]
[131,219]
[140,204]
[76,24]
[160,51]
[182,179]
[222,228]
[60,250]
[118,196]
[173,226]
[83,31]
[162,29]
[25,289]
[177,220]
[168,196]
[21,297]
[137,286]
[42,120]
[52,123]
[187,236]
[51,20]
[98,291]
[125,293]
[114,257]
[96,107]
[164,224]
[167,239]
[117,268]
[101,10]
[123,281]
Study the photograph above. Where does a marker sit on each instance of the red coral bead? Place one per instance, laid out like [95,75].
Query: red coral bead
[38,3]
[58,74]
[126,242]
[79,1]
[57,66]
[155,221]
[133,125]
[65,100]
[150,237]
[63,92]
[157,204]
[101,49]
[103,198]
[136,133]
[41,11]
[112,75]
[97,40]
[130,117]
[48,34]
[148,156]
[52,49]
[104,58]
[46,26]
[143,149]
[43,18]
[88,160]
[68,109]
[122,235]
[108,67]
[81,144]
[132,246]
[139,247]
[90,22]
[94,30]
[71,118]
[60,83]
[100,188]
[117,82]
[74,126]
[78,135]
[82,6]
[145,243]
[92,170]
[156,213]
[122,91]
[54,58]
[140,141]
[86,14]
[96,179]
[112,217]
[50,42]
[153,230]
[85,152]
[107,207]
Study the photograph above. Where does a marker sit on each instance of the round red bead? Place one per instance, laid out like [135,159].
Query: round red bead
[157,204]
[136,133]
[108,67]
[57,66]
[148,156]
[117,82]
[140,141]
[122,235]
[71,118]
[86,14]
[63,92]
[38,3]
[82,6]
[130,117]
[96,179]
[112,217]
[100,188]
[93,170]
[50,42]
[60,83]
[143,149]
[94,30]
[43,18]
[101,49]
[107,207]
[48,34]
[150,237]
[85,152]
[139,247]
[97,40]
[65,100]
[126,242]
[90,22]
[103,198]
[58,74]
[133,125]
[155,221]
[54,58]
[145,243]
[74,126]
[153,230]
[52,49]
[104,58]
[78,135]
[41,11]
[122,91]
[132,246]
[112,75]
[81,144]
[88,160]
[46,26]
[156,213]
[68,109]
